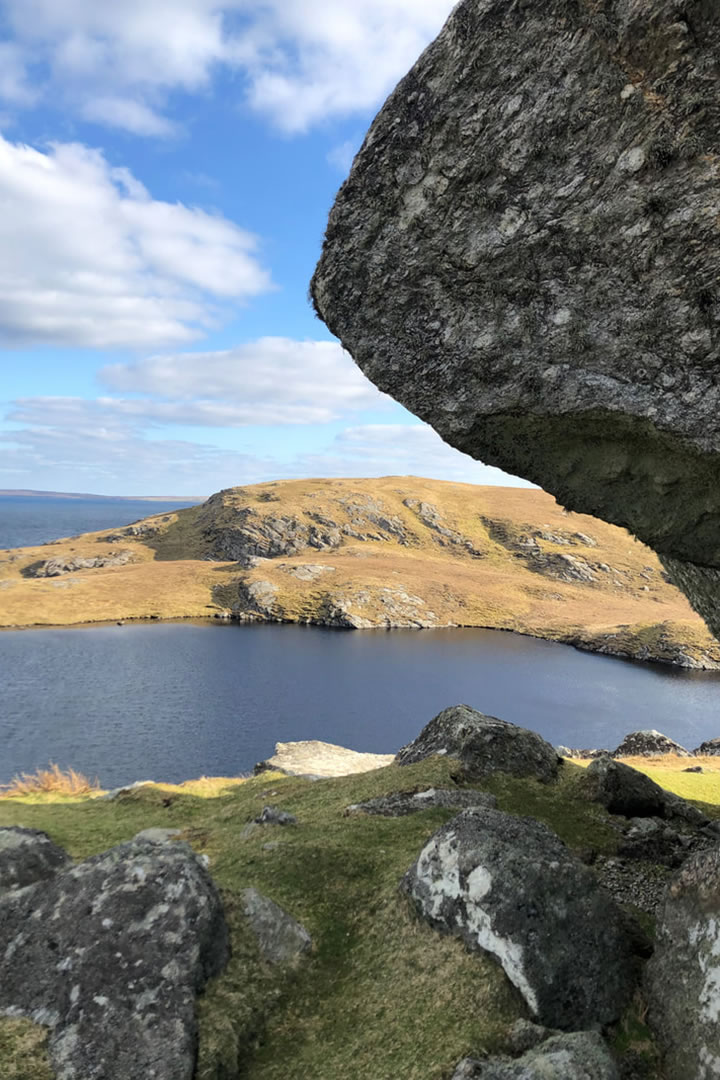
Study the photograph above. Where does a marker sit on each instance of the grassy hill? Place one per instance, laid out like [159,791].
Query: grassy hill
[396,551]
[382,995]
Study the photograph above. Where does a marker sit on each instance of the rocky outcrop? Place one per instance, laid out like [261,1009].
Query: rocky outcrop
[649,743]
[27,856]
[483,744]
[711,748]
[273,815]
[683,977]
[508,886]
[402,803]
[110,955]
[57,567]
[314,758]
[582,1054]
[525,254]
[282,940]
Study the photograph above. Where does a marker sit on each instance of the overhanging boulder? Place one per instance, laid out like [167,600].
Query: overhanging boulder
[526,255]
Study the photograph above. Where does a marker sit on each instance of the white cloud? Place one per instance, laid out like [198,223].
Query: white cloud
[133,116]
[302,61]
[341,156]
[105,444]
[402,450]
[88,257]
[271,381]
[14,85]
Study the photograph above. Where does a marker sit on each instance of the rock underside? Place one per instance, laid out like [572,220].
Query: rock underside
[525,254]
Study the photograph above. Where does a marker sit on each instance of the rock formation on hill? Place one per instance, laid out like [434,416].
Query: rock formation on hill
[396,551]
[526,255]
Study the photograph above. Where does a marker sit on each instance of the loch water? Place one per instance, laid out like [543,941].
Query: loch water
[179,700]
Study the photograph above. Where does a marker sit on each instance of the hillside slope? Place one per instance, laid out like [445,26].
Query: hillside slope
[396,551]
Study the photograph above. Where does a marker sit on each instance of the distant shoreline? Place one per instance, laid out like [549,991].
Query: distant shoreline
[24,493]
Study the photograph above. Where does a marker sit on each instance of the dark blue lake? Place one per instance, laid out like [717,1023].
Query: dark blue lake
[28,520]
[174,701]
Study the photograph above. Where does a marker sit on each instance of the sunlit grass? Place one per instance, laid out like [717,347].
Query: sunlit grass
[50,781]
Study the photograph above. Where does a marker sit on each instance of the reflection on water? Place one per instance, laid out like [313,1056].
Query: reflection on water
[178,700]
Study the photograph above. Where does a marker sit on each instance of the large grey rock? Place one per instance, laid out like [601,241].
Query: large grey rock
[484,744]
[526,255]
[110,955]
[649,743]
[624,790]
[282,939]
[509,886]
[579,1056]
[26,856]
[683,977]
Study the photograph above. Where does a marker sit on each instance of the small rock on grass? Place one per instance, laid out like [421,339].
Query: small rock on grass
[401,803]
[581,1055]
[273,815]
[282,940]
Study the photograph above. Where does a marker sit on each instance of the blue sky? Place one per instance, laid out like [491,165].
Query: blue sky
[166,170]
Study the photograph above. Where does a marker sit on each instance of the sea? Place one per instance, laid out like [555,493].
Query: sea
[179,700]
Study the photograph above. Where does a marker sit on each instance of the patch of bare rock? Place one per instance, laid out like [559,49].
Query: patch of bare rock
[581,1055]
[56,567]
[402,803]
[317,759]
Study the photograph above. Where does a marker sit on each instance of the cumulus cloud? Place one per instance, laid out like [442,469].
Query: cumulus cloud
[133,116]
[273,380]
[108,446]
[302,61]
[88,257]
[400,449]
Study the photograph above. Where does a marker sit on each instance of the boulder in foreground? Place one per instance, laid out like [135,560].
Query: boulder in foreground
[508,886]
[579,1056]
[483,744]
[526,256]
[683,977]
[110,955]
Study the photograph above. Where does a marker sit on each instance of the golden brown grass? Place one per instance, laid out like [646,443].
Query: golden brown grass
[50,781]
[632,602]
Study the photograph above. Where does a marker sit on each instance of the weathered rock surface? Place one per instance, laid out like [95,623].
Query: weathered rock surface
[282,939]
[509,886]
[110,955]
[273,815]
[525,254]
[484,744]
[26,856]
[581,1055]
[683,977]
[711,747]
[649,743]
[311,757]
[58,567]
[624,790]
[401,803]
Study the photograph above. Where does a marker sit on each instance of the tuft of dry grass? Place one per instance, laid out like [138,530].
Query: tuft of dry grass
[50,781]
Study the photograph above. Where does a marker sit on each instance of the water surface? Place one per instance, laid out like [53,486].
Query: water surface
[37,519]
[174,701]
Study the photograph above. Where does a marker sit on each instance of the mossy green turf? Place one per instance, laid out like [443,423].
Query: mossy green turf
[382,995]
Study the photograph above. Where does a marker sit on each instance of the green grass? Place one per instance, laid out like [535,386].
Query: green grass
[382,996]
